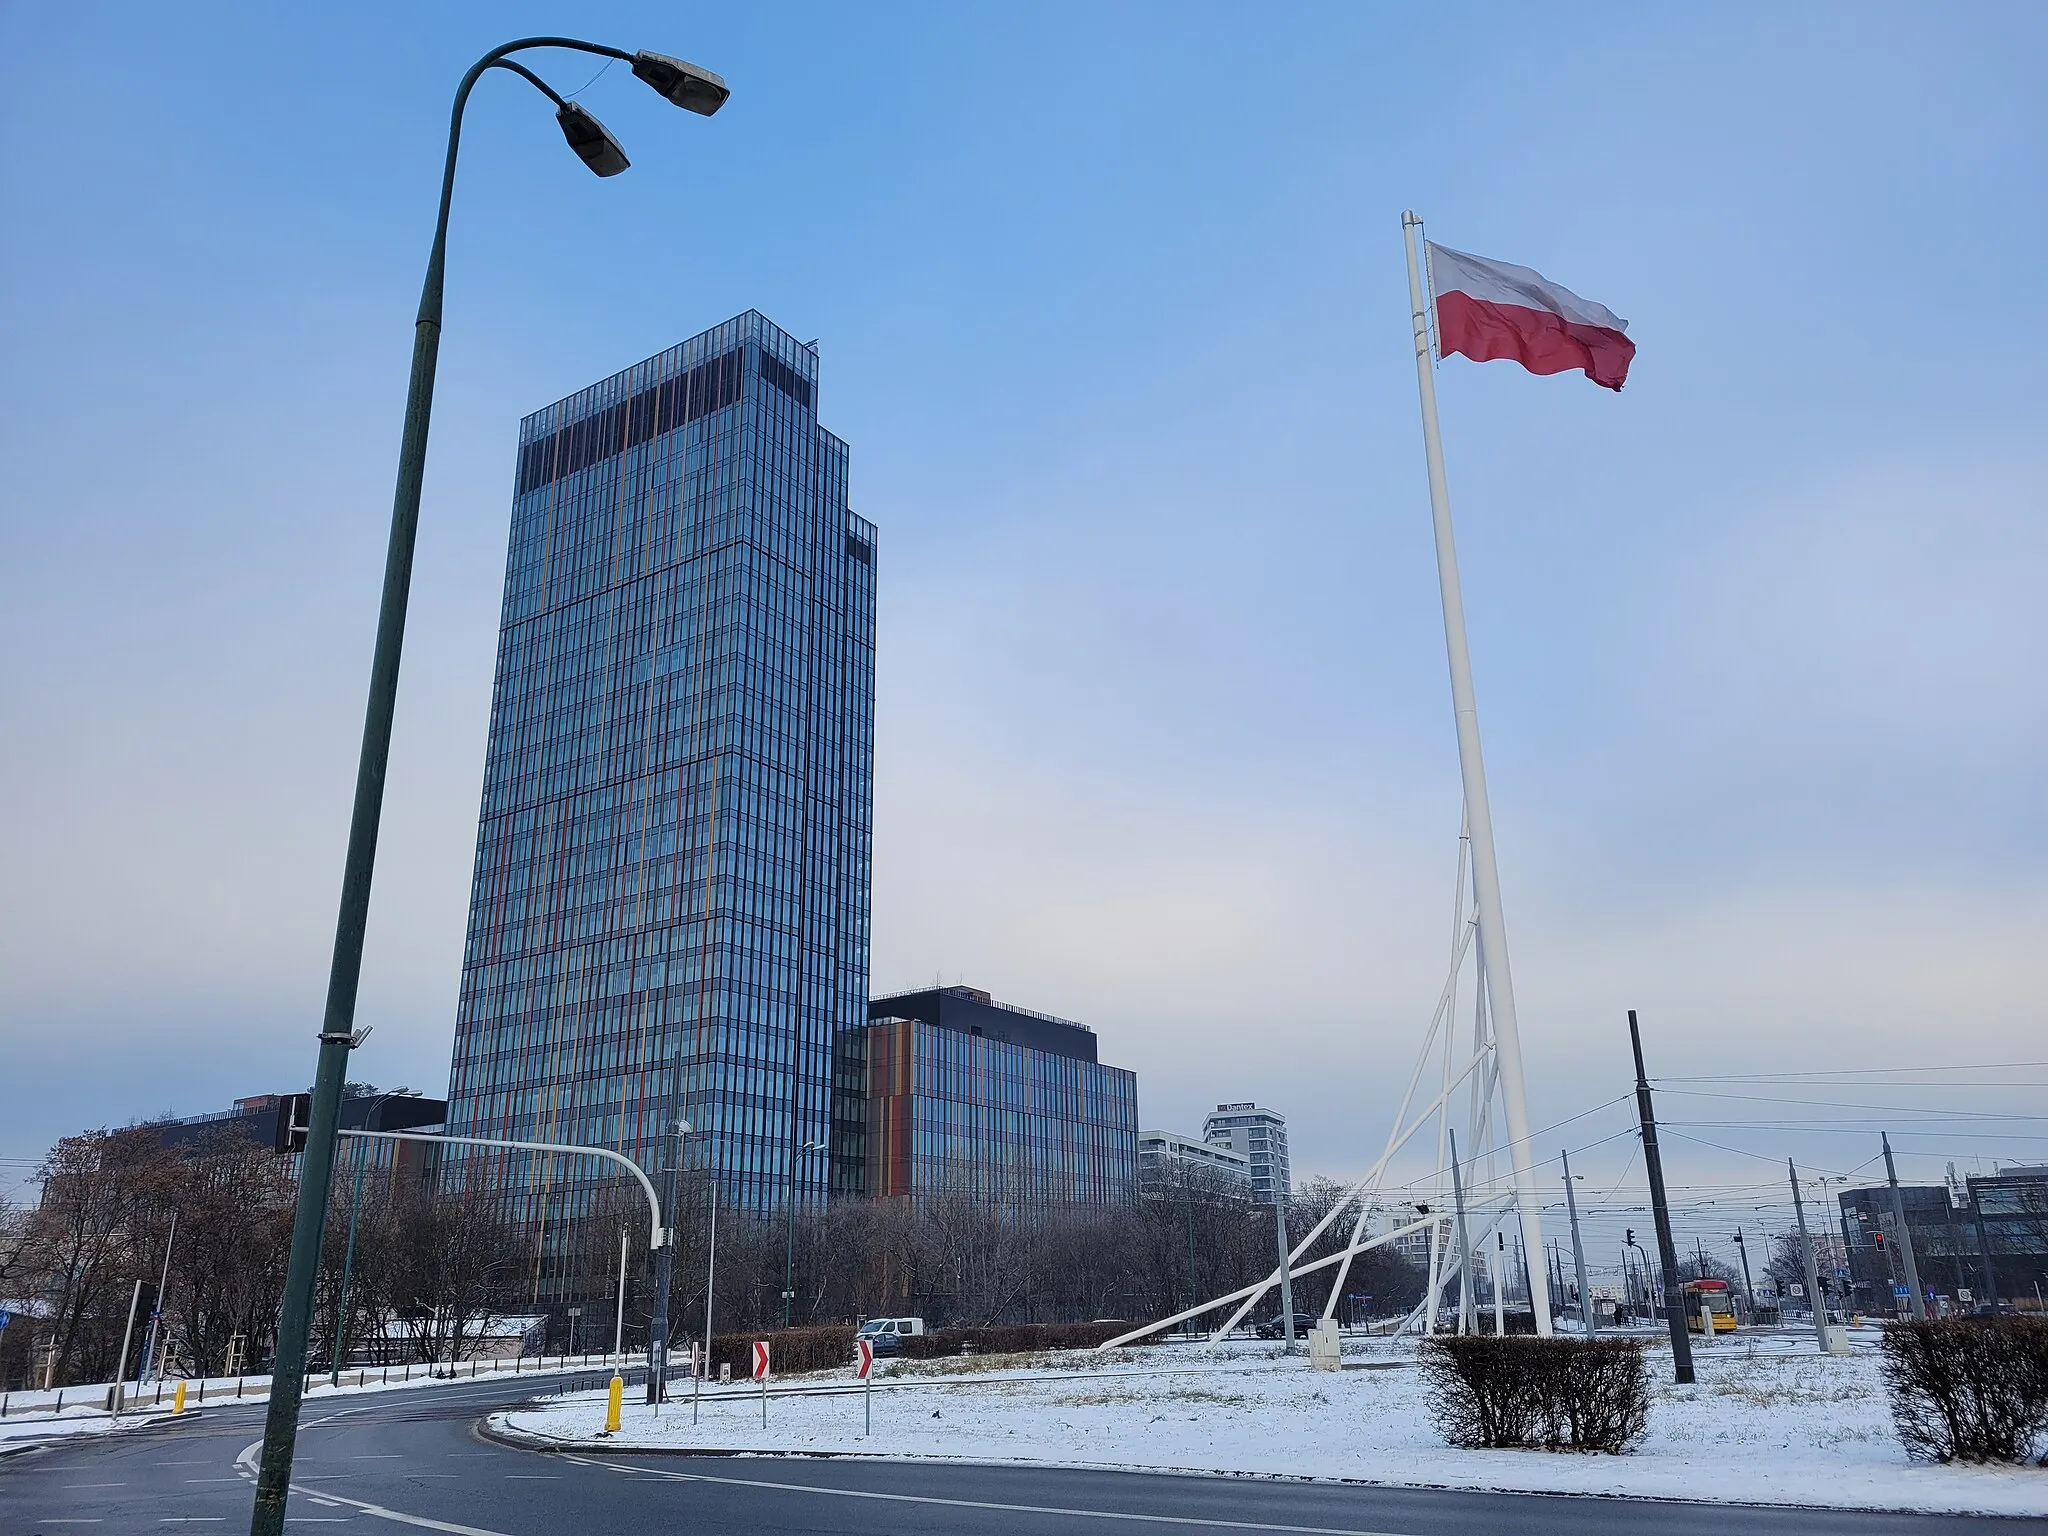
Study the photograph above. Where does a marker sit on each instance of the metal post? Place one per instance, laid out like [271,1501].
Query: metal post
[1891,1175]
[348,1266]
[1286,1267]
[121,1365]
[1500,1299]
[710,1288]
[1571,1205]
[1667,1252]
[1493,942]
[1820,1310]
[157,1320]
[664,1268]
[1748,1290]
[1984,1250]
[619,1322]
[1464,1246]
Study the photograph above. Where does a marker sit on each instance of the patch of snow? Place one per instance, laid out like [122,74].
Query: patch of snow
[1765,1423]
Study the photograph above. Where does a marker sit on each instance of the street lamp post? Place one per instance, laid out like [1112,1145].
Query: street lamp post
[789,1247]
[697,91]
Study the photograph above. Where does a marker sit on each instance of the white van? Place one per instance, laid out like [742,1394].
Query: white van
[886,1333]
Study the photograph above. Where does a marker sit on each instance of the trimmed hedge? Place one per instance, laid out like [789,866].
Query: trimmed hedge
[1550,1394]
[791,1351]
[1008,1339]
[1969,1389]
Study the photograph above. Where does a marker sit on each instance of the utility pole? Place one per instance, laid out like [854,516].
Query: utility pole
[1820,1311]
[1464,1247]
[1286,1267]
[1748,1290]
[619,1319]
[1667,1252]
[1500,1300]
[1571,1205]
[664,1268]
[1891,1175]
[1984,1250]
[121,1365]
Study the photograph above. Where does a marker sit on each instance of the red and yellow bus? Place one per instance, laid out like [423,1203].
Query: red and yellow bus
[1713,1298]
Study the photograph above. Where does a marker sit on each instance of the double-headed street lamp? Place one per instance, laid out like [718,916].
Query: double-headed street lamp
[695,90]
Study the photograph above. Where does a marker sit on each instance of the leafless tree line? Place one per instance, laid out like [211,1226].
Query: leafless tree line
[433,1266]
[428,1270]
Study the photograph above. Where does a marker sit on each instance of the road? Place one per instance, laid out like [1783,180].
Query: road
[411,1460]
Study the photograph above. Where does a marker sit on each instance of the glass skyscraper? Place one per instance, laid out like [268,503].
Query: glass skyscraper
[670,908]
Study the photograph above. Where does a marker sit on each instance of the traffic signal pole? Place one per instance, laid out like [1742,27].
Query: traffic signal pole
[1667,1251]
[1820,1311]
[1891,1175]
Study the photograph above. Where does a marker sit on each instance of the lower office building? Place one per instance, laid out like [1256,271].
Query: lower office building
[1170,1165]
[946,1091]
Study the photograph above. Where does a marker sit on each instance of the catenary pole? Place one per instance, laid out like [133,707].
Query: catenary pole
[1571,1205]
[1660,1210]
[1820,1311]
[158,1318]
[1286,1268]
[127,1338]
[1493,943]
[1891,1175]
[348,1270]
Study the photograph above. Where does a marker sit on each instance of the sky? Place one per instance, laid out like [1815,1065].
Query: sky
[1111,307]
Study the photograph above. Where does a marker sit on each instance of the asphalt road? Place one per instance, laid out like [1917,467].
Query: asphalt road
[412,1461]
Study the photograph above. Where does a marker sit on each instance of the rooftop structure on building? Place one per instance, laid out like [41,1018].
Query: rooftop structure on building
[1171,1164]
[1260,1136]
[947,1091]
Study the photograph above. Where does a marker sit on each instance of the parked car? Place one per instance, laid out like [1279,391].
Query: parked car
[888,1333]
[1276,1327]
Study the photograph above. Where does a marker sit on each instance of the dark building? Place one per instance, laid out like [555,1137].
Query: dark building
[362,1109]
[2009,1212]
[669,918]
[947,1091]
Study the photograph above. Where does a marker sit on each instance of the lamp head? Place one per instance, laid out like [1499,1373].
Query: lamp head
[692,89]
[593,143]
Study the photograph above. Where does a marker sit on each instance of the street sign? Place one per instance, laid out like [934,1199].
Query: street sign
[1963,1293]
[760,1359]
[863,1365]
[8,1317]
[1901,1293]
[1797,1288]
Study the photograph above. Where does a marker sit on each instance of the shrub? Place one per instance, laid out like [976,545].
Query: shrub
[1969,1389]
[791,1351]
[1008,1339]
[1556,1394]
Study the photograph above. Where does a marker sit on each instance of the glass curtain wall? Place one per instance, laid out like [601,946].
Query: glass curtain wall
[670,908]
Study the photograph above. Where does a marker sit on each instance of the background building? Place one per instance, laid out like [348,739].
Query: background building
[670,908]
[362,1109]
[1944,1247]
[946,1090]
[1260,1137]
[1169,1162]
[2009,1212]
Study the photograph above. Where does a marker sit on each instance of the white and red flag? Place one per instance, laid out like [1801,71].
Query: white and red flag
[1489,309]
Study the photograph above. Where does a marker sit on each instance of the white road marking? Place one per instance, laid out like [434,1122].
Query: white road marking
[68,1487]
[1013,1509]
[379,1456]
[213,1479]
[246,1464]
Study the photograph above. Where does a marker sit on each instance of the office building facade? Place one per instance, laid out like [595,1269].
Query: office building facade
[669,918]
[1260,1137]
[1171,1164]
[946,1091]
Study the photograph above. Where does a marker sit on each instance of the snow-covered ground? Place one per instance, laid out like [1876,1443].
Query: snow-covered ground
[1770,1422]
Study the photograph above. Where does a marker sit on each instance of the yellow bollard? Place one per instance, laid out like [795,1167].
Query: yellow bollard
[178,1399]
[611,1407]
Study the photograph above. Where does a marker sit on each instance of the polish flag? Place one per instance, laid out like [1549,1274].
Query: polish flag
[1489,309]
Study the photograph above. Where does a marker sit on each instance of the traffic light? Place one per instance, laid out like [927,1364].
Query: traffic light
[1880,1242]
[294,1118]
[1630,1240]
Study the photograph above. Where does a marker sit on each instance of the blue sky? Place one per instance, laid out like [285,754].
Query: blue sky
[1111,308]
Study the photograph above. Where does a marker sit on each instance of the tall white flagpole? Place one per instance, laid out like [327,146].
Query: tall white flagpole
[1493,942]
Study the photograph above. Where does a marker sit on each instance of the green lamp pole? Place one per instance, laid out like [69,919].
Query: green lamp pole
[686,86]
